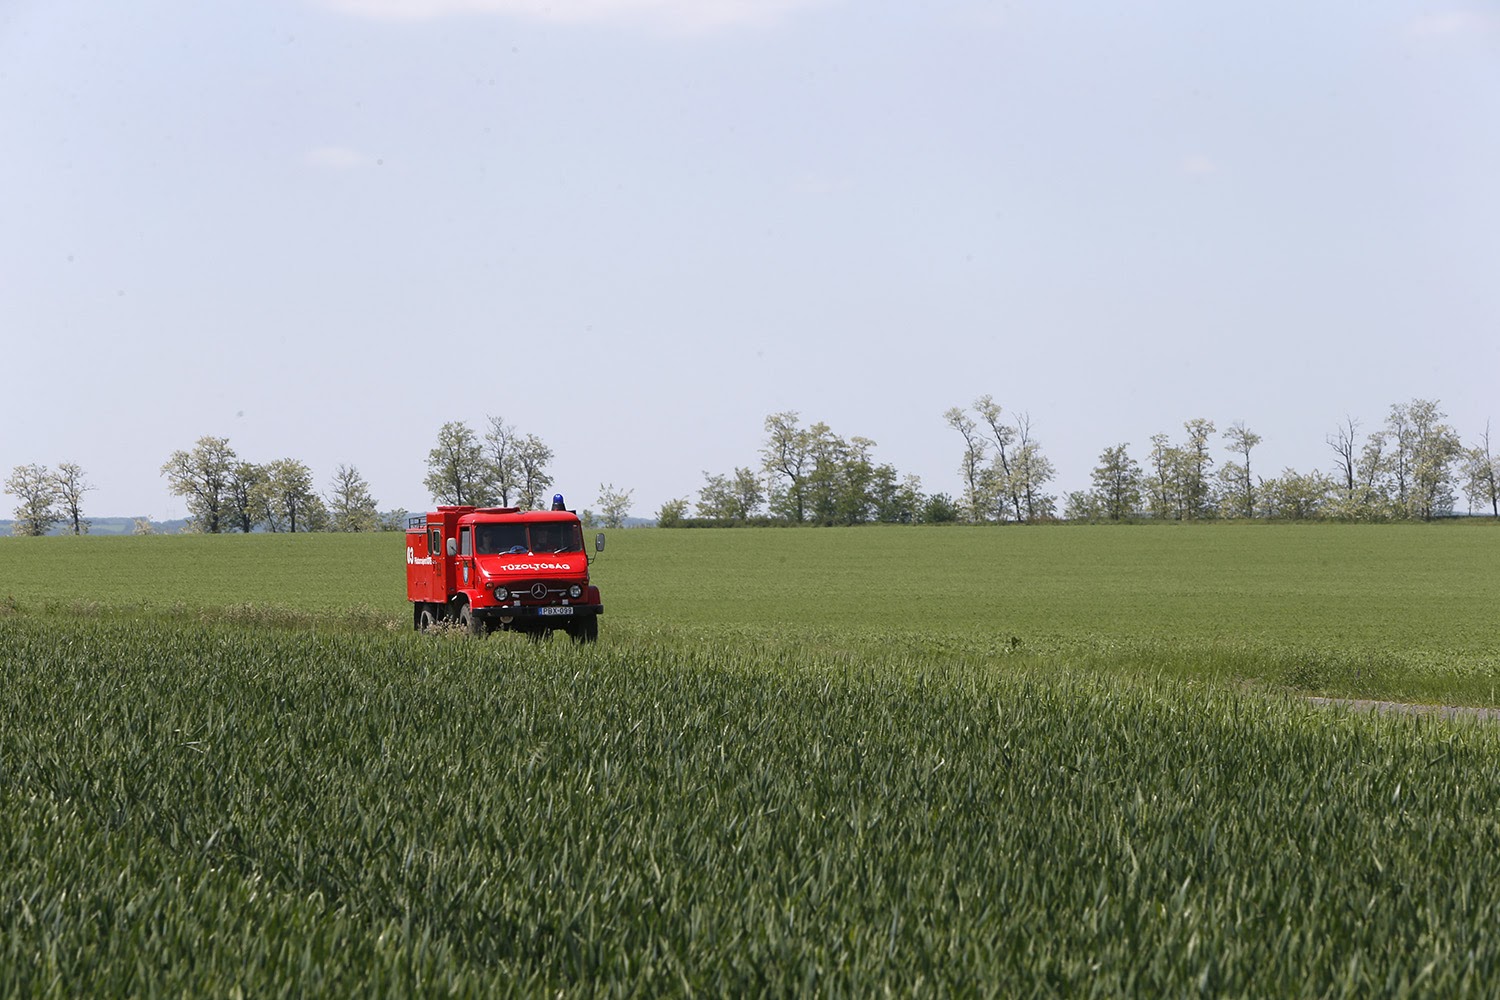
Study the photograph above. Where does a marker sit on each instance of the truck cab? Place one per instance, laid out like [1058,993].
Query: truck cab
[502,568]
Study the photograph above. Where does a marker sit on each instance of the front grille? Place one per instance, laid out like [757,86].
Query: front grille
[538,591]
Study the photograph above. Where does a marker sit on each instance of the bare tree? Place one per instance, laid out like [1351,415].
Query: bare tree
[1481,477]
[1343,445]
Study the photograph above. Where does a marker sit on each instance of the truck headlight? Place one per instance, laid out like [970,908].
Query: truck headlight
[575,591]
[501,593]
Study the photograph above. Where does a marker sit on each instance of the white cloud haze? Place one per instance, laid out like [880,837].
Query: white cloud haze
[675,15]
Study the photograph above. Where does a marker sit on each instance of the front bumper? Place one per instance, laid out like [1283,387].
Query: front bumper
[505,614]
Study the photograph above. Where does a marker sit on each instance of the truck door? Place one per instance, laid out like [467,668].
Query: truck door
[437,586]
[465,557]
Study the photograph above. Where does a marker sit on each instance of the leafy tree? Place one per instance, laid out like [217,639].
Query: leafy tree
[502,456]
[897,501]
[350,505]
[672,513]
[143,526]
[1239,491]
[71,486]
[735,498]
[1163,484]
[1363,488]
[1031,471]
[730,499]
[1427,451]
[1002,479]
[1013,485]
[287,498]
[787,456]
[39,507]
[749,492]
[1197,493]
[1481,475]
[456,469]
[614,505]
[202,478]
[939,508]
[1081,506]
[976,449]
[532,458]
[1117,484]
[840,471]
[242,498]
[1294,496]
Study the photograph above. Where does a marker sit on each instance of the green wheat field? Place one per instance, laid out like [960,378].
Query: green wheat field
[951,761]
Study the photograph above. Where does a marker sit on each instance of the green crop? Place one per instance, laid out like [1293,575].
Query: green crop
[191,808]
[1404,611]
[963,761]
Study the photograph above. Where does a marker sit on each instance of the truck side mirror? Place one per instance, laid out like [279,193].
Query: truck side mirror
[599,542]
[452,547]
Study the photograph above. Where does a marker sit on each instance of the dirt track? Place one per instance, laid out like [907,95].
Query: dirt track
[1408,708]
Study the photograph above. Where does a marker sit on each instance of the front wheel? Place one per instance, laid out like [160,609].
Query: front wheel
[470,622]
[585,630]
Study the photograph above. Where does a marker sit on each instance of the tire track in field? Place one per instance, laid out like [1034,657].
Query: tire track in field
[1409,708]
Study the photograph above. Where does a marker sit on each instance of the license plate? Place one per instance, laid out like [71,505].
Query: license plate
[554,611]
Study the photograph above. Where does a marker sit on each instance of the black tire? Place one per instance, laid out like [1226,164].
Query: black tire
[426,620]
[470,622]
[585,629]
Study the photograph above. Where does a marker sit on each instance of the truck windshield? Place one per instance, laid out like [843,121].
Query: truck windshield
[491,539]
[556,538]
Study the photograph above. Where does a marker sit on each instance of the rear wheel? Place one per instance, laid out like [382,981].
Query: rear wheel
[426,620]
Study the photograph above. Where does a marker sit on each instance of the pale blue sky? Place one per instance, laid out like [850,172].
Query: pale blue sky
[637,227]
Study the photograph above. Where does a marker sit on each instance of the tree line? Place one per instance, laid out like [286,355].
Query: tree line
[505,468]
[1411,467]
[222,494]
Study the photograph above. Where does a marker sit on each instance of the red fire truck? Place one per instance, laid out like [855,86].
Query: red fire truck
[489,568]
